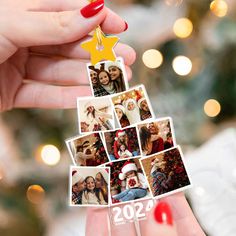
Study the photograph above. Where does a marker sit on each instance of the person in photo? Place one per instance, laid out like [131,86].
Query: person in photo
[101,180]
[169,141]
[78,186]
[117,76]
[97,88]
[145,112]
[160,181]
[132,111]
[90,196]
[120,111]
[84,153]
[150,142]
[97,119]
[157,141]
[106,82]
[136,185]
[124,152]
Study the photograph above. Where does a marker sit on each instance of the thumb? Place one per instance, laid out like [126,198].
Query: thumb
[29,28]
[159,222]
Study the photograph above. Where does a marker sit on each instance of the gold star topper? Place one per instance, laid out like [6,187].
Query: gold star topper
[100,47]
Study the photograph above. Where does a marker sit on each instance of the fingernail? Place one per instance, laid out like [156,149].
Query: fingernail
[126,26]
[92,9]
[162,214]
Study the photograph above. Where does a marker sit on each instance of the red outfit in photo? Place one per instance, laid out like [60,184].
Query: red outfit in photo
[157,145]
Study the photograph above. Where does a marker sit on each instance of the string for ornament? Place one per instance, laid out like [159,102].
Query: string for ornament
[99,33]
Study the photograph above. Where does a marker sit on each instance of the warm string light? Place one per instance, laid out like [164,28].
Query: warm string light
[152,58]
[183,27]
[219,8]
[182,65]
[212,108]
[35,194]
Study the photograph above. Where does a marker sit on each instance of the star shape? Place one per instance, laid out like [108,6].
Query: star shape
[105,52]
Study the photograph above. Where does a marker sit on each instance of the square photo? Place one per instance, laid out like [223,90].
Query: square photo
[87,150]
[107,77]
[89,186]
[127,181]
[95,114]
[132,106]
[166,172]
[156,136]
[122,143]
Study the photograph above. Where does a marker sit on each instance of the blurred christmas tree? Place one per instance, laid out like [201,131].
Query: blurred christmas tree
[211,49]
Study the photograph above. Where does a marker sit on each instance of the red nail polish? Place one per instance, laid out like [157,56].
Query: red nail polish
[126,26]
[162,214]
[92,9]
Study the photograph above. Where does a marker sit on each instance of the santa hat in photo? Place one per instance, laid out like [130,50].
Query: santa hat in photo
[140,100]
[112,63]
[127,167]
[76,177]
[126,102]
[119,133]
[87,105]
[119,106]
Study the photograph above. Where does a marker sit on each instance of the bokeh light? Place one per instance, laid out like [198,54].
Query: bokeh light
[219,8]
[35,194]
[50,155]
[152,58]
[212,107]
[182,65]
[183,28]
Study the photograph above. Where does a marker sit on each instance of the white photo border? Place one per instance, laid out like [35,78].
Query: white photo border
[185,166]
[117,129]
[67,141]
[157,120]
[118,59]
[93,98]
[70,186]
[147,99]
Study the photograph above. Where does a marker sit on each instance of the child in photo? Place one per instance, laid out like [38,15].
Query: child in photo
[117,76]
[106,82]
[124,152]
[145,112]
[90,195]
[97,88]
[132,111]
[161,182]
[136,185]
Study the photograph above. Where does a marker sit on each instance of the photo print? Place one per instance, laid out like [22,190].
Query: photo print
[95,114]
[132,106]
[107,77]
[156,136]
[87,150]
[166,172]
[122,143]
[89,186]
[127,181]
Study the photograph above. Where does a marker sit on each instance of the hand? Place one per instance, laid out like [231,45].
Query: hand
[41,62]
[180,214]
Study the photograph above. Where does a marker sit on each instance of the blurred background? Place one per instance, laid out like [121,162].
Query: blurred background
[186,58]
